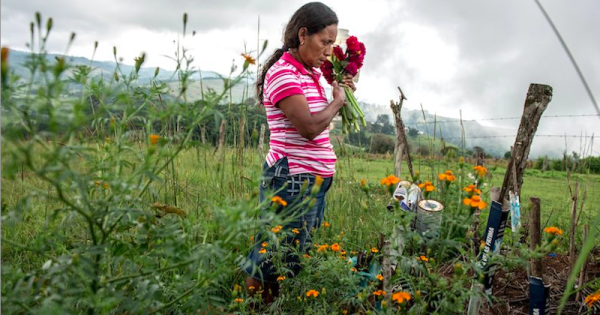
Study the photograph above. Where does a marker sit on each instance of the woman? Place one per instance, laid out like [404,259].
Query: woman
[298,114]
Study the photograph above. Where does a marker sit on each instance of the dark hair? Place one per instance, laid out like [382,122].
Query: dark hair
[315,16]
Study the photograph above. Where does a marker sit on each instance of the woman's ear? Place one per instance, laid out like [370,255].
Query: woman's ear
[302,33]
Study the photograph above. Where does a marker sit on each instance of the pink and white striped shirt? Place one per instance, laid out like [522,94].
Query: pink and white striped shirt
[285,78]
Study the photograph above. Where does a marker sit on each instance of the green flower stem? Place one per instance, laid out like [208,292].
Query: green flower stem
[352,114]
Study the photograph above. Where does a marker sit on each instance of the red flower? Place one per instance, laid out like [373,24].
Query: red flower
[353,44]
[327,69]
[351,69]
[339,53]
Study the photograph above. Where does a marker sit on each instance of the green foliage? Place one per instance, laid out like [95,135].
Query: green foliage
[381,143]
[110,206]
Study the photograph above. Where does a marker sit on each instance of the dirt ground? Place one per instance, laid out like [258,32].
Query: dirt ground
[511,289]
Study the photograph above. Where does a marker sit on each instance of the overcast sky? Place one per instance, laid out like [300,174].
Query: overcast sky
[475,56]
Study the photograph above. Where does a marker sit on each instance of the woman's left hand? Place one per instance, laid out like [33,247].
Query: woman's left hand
[348,81]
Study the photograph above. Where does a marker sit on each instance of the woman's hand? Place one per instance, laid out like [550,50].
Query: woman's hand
[338,92]
[348,81]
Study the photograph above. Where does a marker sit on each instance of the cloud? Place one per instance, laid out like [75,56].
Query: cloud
[474,56]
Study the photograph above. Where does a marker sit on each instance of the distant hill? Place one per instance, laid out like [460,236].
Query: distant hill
[211,80]
[449,129]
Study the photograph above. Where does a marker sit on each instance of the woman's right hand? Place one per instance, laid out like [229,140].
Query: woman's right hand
[338,92]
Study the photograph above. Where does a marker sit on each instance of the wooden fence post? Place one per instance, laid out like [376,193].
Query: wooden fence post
[536,102]
[401,148]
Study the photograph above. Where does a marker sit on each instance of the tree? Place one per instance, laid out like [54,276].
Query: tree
[381,143]
[413,132]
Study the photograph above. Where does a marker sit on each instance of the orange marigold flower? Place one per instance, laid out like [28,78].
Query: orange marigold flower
[423,258]
[5,51]
[342,252]
[105,185]
[238,300]
[262,251]
[252,238]
[277,229]
[374,250]
[322,248]
[313,293]
[379,277]
[428,186]
[447,176]
[400,297]
[390,180]
[280,278]
[307,256]
[553,230]
[481,170]
[249,59]
[154,139]
[475,202]
[296,231]
[379,292]
[279,200]
[335,247]
[472,189]
[251,288]
[264,244]
[326,224]
[318,180]
[592,298]
[353,269]
[363,182]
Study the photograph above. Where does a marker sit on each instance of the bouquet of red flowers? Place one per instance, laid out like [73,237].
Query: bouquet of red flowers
[342,63]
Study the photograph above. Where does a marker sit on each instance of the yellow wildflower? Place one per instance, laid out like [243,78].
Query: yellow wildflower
[379,277]
[262,251]
[363,182]
[280,278]
[318,180]
[264,244]
[295,231]
[374,250]
[423,258]
[238,300]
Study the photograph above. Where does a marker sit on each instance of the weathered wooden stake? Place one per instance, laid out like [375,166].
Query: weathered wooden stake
[582,271]
[535,236]
[401,148]
[536,102]
[221,142]
[572,254]
[261,138]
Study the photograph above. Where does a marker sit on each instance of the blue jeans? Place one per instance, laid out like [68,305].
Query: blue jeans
[304,218]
